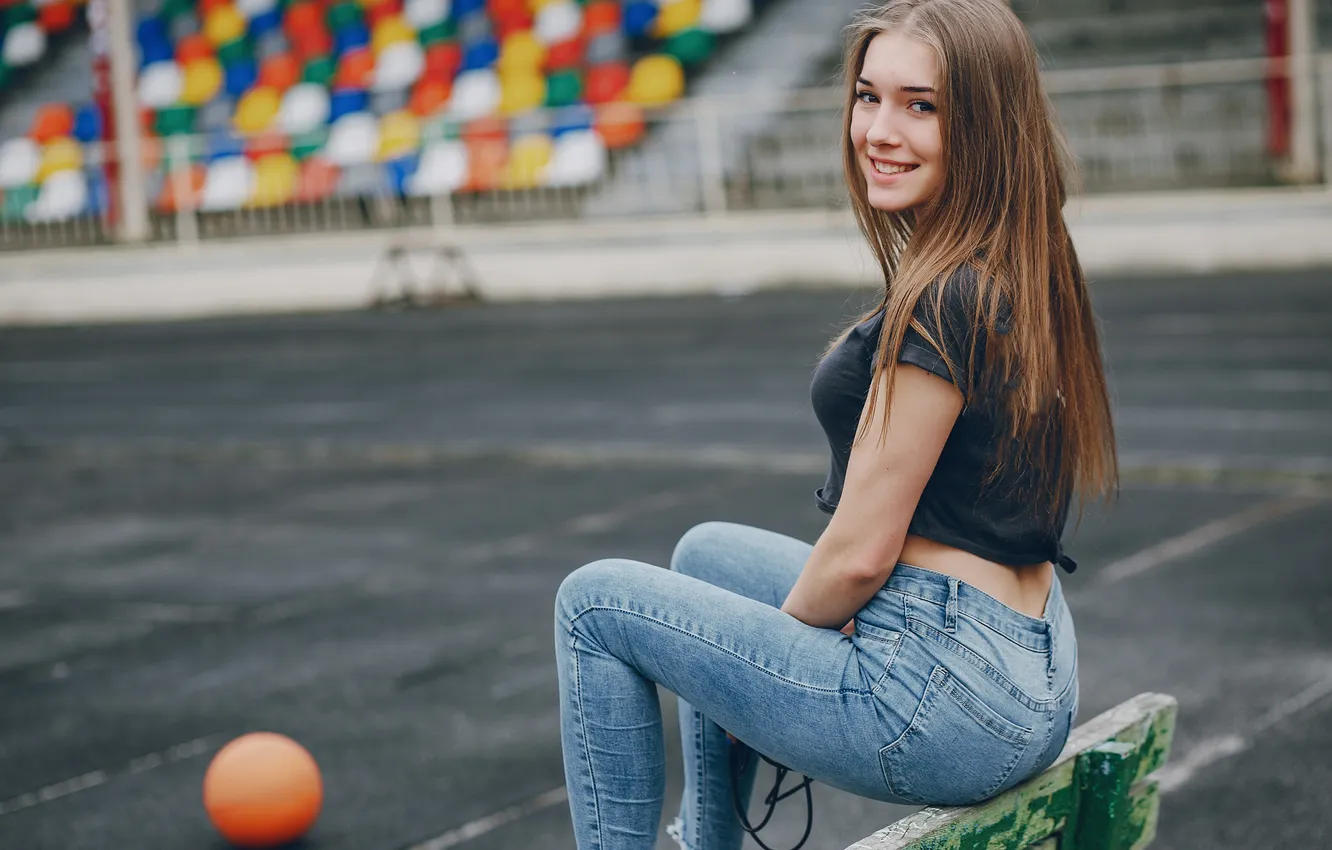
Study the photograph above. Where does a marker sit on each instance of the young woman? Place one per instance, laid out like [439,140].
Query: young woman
[921,651]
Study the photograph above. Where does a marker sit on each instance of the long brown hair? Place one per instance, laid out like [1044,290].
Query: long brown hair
[999,210]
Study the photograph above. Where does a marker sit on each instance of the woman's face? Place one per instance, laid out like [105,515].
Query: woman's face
[895,124]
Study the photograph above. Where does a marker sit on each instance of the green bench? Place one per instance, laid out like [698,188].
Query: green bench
[1099,795]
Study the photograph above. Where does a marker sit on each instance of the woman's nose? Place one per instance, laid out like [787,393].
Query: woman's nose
[883,132]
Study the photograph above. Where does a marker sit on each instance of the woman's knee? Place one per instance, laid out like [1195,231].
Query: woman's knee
[696,552]
[581,588]
[608,581]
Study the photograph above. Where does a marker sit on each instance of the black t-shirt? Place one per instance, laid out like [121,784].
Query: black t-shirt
[955,508]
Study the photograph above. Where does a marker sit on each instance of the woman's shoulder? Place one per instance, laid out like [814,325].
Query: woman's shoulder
[959,287]
[967,300]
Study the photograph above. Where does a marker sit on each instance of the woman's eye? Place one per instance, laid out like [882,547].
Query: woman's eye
[866,97]
[925,105]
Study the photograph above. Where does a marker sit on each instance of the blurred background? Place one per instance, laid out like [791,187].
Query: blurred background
[337,332]
[266,116]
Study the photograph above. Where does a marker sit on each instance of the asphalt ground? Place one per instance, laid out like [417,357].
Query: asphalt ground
[349,528]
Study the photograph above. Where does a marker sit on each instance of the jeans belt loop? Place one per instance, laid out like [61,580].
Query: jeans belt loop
[950,618]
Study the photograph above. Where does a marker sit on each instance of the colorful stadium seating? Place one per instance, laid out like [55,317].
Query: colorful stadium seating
[26,27]
[299,100]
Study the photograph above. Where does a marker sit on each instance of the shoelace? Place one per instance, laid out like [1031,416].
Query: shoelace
[740,756]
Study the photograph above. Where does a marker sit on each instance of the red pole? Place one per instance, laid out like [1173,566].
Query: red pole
[1277,20]
[100,43]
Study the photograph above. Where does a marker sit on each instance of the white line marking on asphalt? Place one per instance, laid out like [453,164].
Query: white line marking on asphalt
[1289,708]
[720,456]
[1183,769]
[53,791]
[1199,538]
[489,823]
[1178,773]
[598,522]
[162,612]
[520,683]
[94,778]
[523,646]
[604,521]
[286,609]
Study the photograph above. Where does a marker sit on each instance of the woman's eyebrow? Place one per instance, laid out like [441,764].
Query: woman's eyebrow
[909,89]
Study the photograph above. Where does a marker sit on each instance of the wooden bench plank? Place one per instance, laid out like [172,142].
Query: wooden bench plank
[1146,800]
[1114,813]
[1047,805]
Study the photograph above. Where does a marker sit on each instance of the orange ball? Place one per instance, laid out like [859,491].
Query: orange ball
[262,790]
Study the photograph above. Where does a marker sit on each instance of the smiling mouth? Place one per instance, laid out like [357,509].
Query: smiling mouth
[885,168]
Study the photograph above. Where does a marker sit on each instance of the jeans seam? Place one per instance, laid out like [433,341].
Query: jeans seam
[918,719]
[1068,686]
[697,827]
[1050,720]
[582,725]
[1048,649]
[883,678]
[974,705]
[717,646]
[1019,752]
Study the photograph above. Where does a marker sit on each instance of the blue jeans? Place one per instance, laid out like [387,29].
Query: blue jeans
[944,696]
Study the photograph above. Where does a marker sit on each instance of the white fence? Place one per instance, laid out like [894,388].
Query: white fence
[1195,125]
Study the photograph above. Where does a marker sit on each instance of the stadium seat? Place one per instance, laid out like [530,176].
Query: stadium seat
[297,100]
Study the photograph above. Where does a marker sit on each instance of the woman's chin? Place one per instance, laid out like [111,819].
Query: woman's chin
[889,202]
[892,199]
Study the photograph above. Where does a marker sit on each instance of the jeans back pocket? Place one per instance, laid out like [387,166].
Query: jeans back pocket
[956,751]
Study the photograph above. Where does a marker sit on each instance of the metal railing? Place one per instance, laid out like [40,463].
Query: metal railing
[1185,126]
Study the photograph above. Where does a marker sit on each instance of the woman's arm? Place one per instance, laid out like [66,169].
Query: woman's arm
[884,479]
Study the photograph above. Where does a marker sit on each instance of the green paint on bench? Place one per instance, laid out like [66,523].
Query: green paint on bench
[1098,795]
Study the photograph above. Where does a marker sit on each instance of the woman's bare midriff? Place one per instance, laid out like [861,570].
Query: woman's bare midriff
[1023,588]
